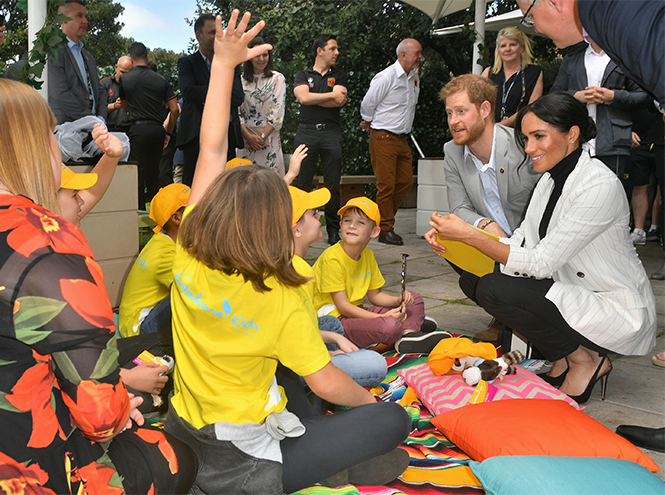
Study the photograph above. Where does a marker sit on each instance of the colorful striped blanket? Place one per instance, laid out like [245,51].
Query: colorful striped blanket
[437,465]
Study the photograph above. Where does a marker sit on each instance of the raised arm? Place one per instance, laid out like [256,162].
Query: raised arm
[230,50]
[105,168]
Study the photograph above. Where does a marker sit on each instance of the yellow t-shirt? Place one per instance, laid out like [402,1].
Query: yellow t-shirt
[228,339]
[303,268]
[335,271]
[149,281]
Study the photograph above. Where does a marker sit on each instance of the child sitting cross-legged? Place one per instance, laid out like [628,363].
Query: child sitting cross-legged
[367,368]
[347,272]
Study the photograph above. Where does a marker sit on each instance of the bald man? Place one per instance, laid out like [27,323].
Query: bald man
[118,119]
[388,110]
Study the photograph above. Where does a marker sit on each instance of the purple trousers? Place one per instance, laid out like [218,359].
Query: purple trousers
[386,329]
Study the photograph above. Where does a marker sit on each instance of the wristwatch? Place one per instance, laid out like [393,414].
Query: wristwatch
[263,136]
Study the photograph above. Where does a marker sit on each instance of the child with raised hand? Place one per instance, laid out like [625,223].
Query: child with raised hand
[347,272]
[367,368]
[239,309]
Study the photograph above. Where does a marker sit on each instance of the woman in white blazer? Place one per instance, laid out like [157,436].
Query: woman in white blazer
[570,279]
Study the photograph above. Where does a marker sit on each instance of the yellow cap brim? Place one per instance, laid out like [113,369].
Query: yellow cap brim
[77,182]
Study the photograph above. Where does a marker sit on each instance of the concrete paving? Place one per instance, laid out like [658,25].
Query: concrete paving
[636,388]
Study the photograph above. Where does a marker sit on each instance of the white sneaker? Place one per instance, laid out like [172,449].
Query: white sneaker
[639,237]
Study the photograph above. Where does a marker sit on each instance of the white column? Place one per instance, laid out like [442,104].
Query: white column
[479,20]
[36,16]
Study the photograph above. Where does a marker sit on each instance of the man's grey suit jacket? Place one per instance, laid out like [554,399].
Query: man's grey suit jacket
[514,175]
[68,93]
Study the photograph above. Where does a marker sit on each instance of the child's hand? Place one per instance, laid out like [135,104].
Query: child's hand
[296,159]
[408,299]
[134,413]
[345,345]
[146,377]
[399,313]
[106,141]
[231,43]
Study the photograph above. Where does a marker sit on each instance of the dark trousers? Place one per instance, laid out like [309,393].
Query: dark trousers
[190,154]
[659,151]
[166,163]
[331,444]
[147,142]
[327,144]
[520,303]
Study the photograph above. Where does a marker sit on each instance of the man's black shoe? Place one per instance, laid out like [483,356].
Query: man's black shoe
[647,438]
[333,237]
[391,238]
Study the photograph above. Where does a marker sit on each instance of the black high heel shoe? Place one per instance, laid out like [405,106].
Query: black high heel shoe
[555,381]
[584,397]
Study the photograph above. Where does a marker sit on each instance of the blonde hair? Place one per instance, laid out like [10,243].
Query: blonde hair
[517,35]
[26,121]
[242,225]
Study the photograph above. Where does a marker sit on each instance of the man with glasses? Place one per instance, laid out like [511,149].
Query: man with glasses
[631,33]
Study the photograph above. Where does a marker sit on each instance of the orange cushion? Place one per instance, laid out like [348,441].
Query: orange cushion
[534,427]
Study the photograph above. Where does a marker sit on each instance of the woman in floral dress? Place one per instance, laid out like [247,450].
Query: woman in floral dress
[68,423]
[262,112]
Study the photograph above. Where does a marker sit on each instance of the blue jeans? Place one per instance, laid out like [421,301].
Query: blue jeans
[366,368]
[159,318]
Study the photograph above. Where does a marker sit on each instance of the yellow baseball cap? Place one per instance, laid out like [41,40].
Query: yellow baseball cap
[237,162]
[366,205]
[168,200]
[77,182]
[303,201]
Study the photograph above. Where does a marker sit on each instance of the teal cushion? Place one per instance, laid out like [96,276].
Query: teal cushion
[540,475]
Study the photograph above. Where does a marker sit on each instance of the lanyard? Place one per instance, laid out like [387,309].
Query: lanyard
[504,96]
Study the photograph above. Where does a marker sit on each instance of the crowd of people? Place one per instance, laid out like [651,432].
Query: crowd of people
[223,286]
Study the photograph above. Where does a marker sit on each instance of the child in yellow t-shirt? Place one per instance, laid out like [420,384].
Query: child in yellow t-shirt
[239,310]
[146,304]
[367,368]
[347,272]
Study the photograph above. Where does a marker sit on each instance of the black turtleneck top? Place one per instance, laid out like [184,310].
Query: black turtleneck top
[559,174]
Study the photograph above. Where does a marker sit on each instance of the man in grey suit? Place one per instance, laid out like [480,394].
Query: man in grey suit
[489,178]
[74,90]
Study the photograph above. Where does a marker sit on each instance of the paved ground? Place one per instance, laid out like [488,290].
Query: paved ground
[636,388]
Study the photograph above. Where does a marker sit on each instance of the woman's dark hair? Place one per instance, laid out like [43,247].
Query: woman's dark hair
[560,110]
[248,68]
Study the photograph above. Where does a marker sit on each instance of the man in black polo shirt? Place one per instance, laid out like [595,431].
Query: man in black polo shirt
[117,120]
[143,94]
[321,91]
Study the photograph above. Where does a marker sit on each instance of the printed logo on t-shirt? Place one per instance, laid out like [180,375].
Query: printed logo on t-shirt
[331,82]
[368,274]
[111,93]
[310,81]
[142,263]
[198,300]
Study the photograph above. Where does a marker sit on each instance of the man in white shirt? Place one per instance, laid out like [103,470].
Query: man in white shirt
[388,110]
[489,178]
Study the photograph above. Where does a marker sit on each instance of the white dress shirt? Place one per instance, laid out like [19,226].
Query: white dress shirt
[595,64]
[490,187]
[390,102]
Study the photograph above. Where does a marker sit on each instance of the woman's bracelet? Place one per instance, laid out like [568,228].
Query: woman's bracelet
[482,227]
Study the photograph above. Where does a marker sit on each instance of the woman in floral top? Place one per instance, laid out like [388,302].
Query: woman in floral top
[262,112]
[63,406]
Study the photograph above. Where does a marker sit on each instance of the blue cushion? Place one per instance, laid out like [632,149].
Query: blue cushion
[540,475]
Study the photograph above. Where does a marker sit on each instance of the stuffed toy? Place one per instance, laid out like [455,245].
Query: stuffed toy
[475,369]
[443,356]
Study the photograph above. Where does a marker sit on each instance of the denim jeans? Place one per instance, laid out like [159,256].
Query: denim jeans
[159,318]
[366,368]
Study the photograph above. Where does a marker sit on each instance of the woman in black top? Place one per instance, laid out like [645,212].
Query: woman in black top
[518,81]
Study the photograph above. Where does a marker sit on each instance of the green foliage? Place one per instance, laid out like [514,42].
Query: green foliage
[103,38]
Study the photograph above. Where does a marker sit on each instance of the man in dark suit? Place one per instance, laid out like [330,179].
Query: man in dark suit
[74,90]
[193,78]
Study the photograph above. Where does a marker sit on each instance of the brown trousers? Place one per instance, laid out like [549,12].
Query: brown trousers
[392,163]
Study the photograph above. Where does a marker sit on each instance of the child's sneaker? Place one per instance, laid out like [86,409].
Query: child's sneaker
[419,342]
[429,325]
[654,234]
[639,237]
